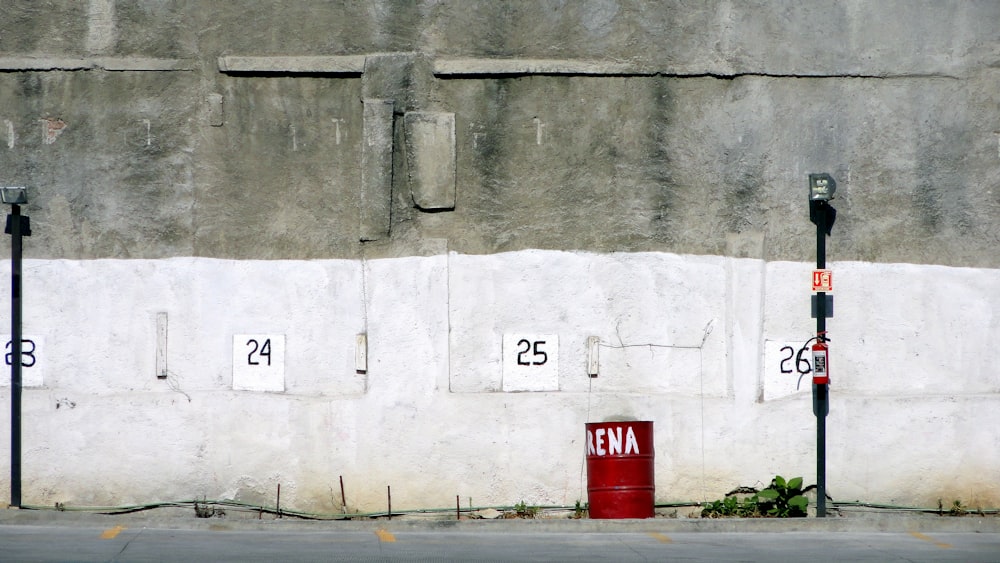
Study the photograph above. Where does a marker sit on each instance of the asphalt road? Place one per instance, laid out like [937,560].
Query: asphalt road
[27,543]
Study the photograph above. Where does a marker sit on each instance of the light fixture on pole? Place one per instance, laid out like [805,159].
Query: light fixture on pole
[17,226]
[821,187]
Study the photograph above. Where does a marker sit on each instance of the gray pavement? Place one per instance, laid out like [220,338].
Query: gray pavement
[174,535]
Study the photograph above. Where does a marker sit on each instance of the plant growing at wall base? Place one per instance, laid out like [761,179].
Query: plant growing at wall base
[784,499]
[732,507]
[522,510]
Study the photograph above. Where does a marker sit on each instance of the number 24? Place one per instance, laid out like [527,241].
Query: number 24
[261,350]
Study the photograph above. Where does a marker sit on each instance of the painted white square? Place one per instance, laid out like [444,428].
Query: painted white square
[530,362]
[259,362]
[782,371]
[32,366]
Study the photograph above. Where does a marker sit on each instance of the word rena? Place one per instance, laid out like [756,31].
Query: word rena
[614,436]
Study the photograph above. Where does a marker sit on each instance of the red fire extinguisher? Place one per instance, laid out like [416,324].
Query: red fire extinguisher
[821,361]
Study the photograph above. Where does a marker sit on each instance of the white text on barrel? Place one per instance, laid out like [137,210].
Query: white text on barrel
[596,440]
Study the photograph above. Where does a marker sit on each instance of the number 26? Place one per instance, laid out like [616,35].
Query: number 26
[799,361]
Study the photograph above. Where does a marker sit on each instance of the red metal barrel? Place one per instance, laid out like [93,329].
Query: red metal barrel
[620,469]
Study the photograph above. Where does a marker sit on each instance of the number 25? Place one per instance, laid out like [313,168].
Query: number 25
[535,350]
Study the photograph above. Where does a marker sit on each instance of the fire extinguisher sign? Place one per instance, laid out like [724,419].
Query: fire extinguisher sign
[821,367]
[819,363]
[822,281]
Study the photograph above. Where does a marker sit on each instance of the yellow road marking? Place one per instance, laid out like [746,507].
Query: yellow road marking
[920,536]
[385,535]
[112,533]
[662,538]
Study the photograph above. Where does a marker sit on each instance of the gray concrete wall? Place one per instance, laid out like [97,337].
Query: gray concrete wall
[144,130]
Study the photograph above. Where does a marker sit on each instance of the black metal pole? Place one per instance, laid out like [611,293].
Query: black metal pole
[15,358]
[821,392]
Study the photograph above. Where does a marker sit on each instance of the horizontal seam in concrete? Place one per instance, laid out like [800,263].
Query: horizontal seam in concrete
[885,76]
[448,68]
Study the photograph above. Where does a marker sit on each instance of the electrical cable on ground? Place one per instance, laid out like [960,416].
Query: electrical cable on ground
[262,509]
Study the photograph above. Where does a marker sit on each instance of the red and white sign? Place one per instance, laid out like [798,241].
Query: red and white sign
[822,280]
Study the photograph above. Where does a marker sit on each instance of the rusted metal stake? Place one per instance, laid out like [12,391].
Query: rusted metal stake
[343,499]
[388,492]
[458,509]
[278,503]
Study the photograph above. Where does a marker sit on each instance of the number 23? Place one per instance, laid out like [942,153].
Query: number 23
[25,353]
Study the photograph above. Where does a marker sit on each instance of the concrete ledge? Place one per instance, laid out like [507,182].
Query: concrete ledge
[476,66]
[44,63]
[346,64]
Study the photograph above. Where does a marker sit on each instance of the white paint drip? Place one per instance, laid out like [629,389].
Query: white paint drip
[336,129]
[538,130]
[10,133]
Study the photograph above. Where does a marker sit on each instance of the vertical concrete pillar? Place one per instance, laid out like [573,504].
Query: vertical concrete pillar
[376,169]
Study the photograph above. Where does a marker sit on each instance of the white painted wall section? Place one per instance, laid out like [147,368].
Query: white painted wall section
[693,343]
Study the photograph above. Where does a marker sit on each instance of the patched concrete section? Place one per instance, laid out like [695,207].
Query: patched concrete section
[301,198]
[430,159]
[111,179]
[403,77]
[102,30]
[653,325]
[216,110]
